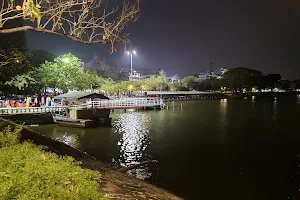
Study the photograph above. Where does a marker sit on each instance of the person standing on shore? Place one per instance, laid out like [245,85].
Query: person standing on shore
[36,102]
[7,103]
[48,101]
[28,101]
[43,101]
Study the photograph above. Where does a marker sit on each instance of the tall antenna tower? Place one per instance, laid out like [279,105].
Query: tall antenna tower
[212,65]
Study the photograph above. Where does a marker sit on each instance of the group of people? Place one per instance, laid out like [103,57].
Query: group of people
[27,102]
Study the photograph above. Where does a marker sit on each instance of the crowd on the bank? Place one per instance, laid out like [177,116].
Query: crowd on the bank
[35,101]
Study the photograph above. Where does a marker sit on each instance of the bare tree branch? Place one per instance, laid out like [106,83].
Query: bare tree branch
[85,21]
[13,57]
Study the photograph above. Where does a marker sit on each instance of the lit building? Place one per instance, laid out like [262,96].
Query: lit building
[135,76]
[206,76]
[174,79]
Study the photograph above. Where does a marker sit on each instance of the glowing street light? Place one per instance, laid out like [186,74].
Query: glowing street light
[131,53]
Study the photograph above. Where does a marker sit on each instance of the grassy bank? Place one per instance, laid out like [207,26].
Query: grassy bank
[113,184]
[27,171]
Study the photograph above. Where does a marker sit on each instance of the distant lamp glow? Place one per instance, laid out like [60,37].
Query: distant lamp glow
[65,60]
[130,87]
[134,52]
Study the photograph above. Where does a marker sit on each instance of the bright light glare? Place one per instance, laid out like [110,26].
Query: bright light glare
[128,53]
[134,52]
[130,87]
[66,60]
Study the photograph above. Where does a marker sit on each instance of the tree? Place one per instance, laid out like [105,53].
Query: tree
[190,82]
[296,84]
[39,57]
[283,85]
[66,72]
[13,55]
[176,86]
[271,79]
[22,81]
[103,68]
[85,21]
[240,78]
[157,83]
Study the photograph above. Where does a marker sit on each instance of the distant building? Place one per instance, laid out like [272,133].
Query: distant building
[174,79]
[206,76]
[139,73]
[135,76]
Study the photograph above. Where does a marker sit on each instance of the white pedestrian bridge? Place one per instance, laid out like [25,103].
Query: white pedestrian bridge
[125,103]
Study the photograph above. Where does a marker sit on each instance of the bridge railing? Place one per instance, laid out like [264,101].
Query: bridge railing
[119,103]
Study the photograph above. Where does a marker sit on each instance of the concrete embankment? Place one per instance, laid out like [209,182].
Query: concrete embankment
[28,119]
[115,184]
[262,94]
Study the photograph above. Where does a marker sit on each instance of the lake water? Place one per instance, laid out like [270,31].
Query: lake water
[235,149]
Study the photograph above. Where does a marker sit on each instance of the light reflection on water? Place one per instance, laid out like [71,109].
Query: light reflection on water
[133,128]
[66,137]
[223,118]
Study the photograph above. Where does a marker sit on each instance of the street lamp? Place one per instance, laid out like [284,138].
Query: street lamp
[131,53]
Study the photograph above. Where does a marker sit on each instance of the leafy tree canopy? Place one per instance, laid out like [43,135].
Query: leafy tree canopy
[67,72]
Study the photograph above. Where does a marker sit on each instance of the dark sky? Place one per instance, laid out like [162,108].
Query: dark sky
[183,36]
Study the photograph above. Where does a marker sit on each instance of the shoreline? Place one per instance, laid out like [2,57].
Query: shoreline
[115,184]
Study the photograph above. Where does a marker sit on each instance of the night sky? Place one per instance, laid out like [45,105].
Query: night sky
[183,36]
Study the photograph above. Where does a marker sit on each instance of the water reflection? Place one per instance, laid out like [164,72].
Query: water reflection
[65,137]
[274,116]
[223,117]
[133,128]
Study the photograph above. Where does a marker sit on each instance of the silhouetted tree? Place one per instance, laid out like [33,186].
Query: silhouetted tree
[39,57]
[13,55]
[271,79]
[284,85]
[103,68]
[239,78]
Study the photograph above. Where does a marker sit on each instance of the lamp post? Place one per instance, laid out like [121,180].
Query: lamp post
[131,53]
[66,60]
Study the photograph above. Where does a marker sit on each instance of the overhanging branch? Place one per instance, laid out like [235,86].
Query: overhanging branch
[26,28]
[84,21]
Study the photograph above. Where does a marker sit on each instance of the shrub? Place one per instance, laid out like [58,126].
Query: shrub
[10,136]
[27,171]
